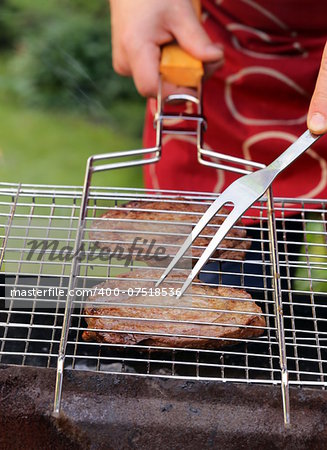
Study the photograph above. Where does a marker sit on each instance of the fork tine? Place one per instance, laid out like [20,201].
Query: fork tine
[205,219]
[230,220]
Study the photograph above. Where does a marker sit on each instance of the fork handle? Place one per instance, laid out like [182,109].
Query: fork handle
[305,141]
[179,67]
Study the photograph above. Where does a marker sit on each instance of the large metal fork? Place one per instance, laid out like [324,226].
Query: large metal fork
[242,193]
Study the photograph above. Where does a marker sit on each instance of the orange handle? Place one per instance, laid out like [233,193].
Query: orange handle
[179,67]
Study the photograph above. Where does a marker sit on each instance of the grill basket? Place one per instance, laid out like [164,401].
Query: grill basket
[285,271]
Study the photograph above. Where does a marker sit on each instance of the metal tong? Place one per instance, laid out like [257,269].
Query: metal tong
[242,193]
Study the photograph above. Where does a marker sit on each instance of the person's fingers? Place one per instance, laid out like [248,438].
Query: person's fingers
[136,50]
[120,62]
[317,115]
[145,67]
[119,57]
[190,34]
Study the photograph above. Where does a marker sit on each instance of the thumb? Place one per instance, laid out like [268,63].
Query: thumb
[191,36]
[317,115]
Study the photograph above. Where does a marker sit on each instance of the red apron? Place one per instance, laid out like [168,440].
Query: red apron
[256,104]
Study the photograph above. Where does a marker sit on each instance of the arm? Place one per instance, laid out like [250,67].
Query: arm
[141,27]
[317,115]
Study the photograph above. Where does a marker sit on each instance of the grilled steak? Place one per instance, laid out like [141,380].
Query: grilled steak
[205,318]
[167,223]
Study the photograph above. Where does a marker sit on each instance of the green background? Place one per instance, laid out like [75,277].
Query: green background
[60,100]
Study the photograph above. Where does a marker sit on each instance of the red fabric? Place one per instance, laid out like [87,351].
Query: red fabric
[256,104]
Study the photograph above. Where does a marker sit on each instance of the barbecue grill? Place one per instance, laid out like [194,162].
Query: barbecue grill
[284,271]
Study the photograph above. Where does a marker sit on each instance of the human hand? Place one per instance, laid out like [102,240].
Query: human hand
[141,27]
[317,115]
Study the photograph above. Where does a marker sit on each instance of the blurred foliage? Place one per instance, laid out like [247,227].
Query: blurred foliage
[62,57]
[68,64]
[18,17]
[8,31]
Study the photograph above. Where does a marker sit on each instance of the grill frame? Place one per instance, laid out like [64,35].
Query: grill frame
[74,196]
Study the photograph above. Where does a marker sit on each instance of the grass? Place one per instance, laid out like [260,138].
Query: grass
[47,147]
[52,148]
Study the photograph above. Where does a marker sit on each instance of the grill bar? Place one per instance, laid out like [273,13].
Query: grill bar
[278,308]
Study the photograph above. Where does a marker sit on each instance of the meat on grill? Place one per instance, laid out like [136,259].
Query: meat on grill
[206,317]
[168,223]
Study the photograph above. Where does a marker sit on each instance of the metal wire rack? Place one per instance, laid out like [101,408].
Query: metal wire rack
[30,326]
[48,266]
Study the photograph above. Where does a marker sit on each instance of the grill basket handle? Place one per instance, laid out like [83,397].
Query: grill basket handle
[177,66]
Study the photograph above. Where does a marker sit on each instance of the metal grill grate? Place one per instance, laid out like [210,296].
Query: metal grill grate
[30,333]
